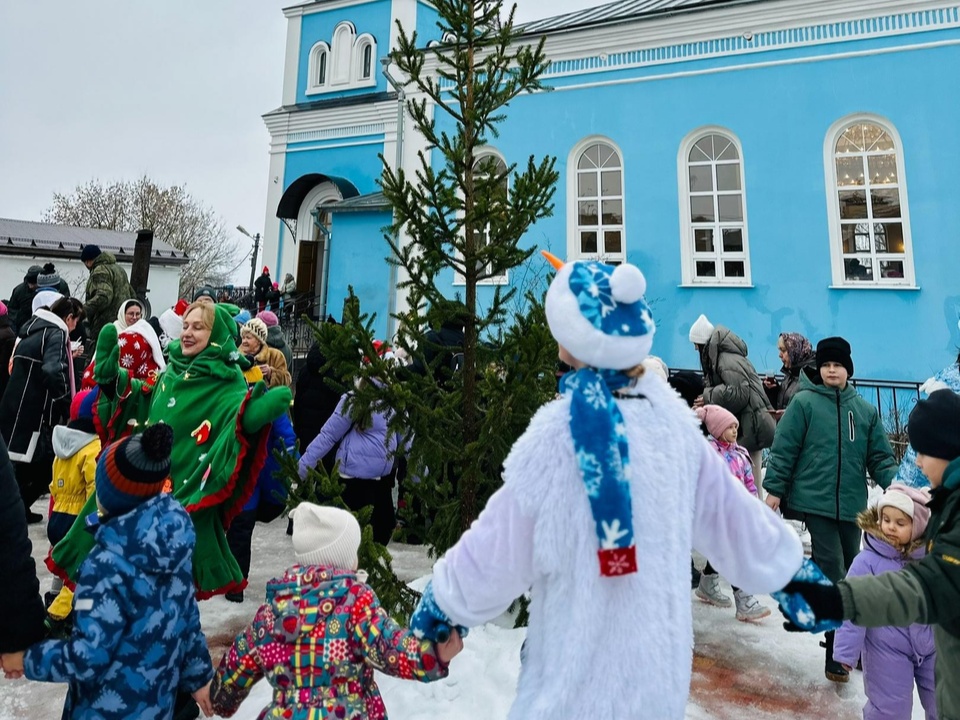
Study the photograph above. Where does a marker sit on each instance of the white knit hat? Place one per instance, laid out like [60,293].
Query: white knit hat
[255,327]
[597,313]
[701,331]
[325,536]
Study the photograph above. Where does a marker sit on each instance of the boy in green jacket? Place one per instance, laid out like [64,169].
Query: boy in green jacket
[826,442]
[927,591]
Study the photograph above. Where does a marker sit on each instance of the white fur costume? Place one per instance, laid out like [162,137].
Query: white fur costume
[602,647]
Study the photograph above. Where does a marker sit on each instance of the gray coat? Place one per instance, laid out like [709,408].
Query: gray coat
[731,381]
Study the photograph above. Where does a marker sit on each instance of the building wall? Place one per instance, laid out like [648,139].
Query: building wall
[780,106]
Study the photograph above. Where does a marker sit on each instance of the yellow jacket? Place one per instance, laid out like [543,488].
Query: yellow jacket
[74,468]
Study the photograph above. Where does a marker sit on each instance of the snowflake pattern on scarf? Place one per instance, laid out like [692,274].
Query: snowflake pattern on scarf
[590,283]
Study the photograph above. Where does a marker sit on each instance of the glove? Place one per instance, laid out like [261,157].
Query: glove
[264,407]
[429,622]
[106,367]
[810,602]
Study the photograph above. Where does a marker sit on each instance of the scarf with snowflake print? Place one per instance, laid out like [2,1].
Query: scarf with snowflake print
[600,444]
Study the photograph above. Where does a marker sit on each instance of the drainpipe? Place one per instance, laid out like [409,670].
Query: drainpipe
[401,109]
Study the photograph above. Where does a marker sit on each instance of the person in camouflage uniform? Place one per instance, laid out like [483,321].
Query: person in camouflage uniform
[107,288]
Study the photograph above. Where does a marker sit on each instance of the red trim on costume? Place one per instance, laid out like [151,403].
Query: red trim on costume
[232,587]
[618,561]
[59,571]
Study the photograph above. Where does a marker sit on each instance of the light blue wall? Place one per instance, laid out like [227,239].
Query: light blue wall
[427,29]
[781,115]
[372,18]
[358,254]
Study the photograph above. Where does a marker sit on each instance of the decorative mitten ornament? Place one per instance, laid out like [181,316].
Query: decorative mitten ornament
[429,622]
[264,407]
[107,359]
[810,602]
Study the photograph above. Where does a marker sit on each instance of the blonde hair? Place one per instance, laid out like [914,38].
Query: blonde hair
[207,313]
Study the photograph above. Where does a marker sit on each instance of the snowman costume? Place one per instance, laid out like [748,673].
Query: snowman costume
[604,496]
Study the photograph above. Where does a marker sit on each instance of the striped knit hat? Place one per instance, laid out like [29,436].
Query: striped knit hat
[134,469]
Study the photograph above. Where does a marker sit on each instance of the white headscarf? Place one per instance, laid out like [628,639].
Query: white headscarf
[44,298]
[121,321]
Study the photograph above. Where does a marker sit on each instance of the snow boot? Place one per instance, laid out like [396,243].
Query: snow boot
[832,669]
[709,591]
[748,608]
[234,597]
[694,576]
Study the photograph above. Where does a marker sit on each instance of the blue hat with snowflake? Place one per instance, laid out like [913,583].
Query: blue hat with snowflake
[598,314]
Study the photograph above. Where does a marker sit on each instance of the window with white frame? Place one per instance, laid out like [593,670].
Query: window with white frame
[870,232]
[365,57]
[713,210]
[490,165]
[599,204]
[317,67]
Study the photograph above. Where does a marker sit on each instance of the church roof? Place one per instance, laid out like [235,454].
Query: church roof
[618,12]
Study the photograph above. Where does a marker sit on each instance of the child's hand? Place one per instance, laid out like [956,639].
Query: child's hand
[447,651]
[13,665]
[202,698]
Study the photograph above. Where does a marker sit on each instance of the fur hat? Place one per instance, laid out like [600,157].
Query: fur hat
[912,502]
[716,418]
[835,349]
[134,469]
[269,318]
[934,425]
[701,331]
[257,328]
[325,536]
[90,252]
[598,314]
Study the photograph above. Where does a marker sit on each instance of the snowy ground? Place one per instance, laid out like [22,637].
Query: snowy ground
[741,671]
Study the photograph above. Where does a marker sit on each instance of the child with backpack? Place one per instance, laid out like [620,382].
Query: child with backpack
[322,632]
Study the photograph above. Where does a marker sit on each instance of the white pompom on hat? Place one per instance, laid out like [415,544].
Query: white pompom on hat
[598,314]
[325,536]
[701,331]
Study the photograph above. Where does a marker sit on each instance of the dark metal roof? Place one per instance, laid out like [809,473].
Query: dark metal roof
[329,103]
[620,11]
[372,202]
[289,207]
[24,237]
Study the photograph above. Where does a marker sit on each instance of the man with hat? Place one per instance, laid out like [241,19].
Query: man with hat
[50,280]
[827,441]
[20,304]
[107,288]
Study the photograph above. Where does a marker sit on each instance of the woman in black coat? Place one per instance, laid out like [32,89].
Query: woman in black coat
[38,395]
[314,400]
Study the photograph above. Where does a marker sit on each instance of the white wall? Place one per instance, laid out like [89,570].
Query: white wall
[162,288]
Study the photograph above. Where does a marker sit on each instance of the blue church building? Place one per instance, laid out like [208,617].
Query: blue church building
[779,166]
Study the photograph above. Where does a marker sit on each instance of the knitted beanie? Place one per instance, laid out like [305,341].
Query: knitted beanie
[835,349]
[256,328]
[716,418]
[82,404]
[269,318]
[205,292]
[912,502]
[701,331]
[89,252]
[48,280]
[134,469]
[934,425]
[325,536]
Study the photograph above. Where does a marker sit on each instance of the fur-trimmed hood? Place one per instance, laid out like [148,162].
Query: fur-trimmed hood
[869,521]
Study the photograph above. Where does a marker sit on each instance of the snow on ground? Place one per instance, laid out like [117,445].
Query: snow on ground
[741,671]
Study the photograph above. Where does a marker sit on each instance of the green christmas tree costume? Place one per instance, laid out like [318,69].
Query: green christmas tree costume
[220,443]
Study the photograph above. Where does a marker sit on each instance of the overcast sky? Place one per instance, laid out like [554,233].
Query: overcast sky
[175,89]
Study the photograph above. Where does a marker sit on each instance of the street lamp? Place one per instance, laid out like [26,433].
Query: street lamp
[256,249]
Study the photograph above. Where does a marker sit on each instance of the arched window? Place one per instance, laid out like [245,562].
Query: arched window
[869,224]
[713,217]
[317,67]
[491,165]
[597,194]
[343,43]
[366,56]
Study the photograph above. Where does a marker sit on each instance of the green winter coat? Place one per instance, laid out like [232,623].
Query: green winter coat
[826,442]
[927,592]
[731,381]
[107,288]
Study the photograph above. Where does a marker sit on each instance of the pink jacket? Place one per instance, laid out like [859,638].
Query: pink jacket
[738,460]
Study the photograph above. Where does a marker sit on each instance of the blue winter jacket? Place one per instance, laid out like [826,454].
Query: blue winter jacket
[270,490]
[136,639]
[363,453]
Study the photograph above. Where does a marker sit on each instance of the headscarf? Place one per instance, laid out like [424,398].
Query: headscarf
[121,321]
[798,348]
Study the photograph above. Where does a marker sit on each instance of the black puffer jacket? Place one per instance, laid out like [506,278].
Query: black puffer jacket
[731,381]
[38,392]
[21,609]
[314,400]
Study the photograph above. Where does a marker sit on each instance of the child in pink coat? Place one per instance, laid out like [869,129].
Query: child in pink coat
[723,428]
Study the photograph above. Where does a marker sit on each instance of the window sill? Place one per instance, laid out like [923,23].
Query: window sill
[716,285]
[873,286]
[317,90]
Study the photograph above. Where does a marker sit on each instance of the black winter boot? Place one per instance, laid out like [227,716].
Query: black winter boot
[832,669]
[694,576]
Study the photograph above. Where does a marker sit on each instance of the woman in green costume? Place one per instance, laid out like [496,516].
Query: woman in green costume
[220,436]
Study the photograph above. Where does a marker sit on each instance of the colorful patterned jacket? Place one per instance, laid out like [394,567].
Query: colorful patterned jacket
[738,460]
[317,640]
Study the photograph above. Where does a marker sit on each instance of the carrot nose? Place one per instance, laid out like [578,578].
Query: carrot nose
[552,259]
